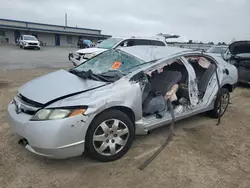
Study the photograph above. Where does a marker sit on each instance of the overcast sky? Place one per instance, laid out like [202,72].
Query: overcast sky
[201,20]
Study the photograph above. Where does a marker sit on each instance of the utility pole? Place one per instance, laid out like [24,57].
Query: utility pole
[66,19]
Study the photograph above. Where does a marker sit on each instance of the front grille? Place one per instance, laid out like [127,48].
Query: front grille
[26,105]
[31,43]
[30,102]
[29,112]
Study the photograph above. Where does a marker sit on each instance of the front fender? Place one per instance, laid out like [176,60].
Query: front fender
[122,94]
[129,96]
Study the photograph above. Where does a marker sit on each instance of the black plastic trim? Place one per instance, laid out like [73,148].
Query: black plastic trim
[70,95]
[31,102]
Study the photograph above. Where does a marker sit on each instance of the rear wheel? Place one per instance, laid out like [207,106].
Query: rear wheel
[109,136]
[224,98]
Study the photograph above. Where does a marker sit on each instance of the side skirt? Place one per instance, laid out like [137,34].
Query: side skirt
[146,124]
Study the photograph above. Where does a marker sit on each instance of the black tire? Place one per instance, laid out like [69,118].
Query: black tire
[104,116]
[20,46]
[215,112]
[38,48]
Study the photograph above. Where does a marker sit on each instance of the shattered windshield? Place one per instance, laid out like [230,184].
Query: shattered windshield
[112,64]
[109,43]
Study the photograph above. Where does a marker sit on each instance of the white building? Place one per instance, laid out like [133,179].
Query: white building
[51,35]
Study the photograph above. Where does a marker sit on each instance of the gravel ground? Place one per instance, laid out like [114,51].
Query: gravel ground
[200,155]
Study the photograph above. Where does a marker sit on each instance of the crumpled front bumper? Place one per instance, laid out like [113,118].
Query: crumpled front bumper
[59,139]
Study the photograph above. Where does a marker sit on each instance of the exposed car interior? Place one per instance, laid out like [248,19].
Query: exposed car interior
[163,85]
[171,82]
[204,69]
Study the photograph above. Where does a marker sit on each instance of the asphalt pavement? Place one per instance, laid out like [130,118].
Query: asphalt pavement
[12,57]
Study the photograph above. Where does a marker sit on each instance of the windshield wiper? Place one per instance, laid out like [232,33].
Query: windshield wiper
[109,76]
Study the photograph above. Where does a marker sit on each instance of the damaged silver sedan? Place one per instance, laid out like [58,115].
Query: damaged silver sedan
[98,107]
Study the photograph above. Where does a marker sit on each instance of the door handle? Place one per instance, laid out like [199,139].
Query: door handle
[225,71]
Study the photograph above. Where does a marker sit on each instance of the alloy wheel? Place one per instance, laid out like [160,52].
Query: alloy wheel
[224,103]
[110,137]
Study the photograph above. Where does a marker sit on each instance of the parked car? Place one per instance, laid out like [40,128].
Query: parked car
[238,54]
[98,107]
[83,43]
[29,41]
[112,43]
[217,49]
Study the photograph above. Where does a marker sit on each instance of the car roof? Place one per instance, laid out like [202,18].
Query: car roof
[144,38]
[149,53]
[28,35]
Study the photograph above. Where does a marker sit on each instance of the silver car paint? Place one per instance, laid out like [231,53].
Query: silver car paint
[66,137]
[57,138]
[193,87]
[121,93]
[61,82]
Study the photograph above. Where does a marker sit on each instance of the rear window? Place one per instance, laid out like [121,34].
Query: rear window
[157,43]
[140,42]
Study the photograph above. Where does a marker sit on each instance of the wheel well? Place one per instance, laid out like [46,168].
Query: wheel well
[228,87]
[125,110]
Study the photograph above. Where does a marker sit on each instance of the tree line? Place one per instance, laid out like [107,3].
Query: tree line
[192,42]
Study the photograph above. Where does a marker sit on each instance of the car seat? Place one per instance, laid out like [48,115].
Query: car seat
[202,83]
[181,68]
[164,81]
[161,83]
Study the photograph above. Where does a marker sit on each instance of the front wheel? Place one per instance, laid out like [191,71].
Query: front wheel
[110,136]
[224,98]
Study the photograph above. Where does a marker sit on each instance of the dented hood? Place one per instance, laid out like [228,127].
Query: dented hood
[55,85]
[239,47]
